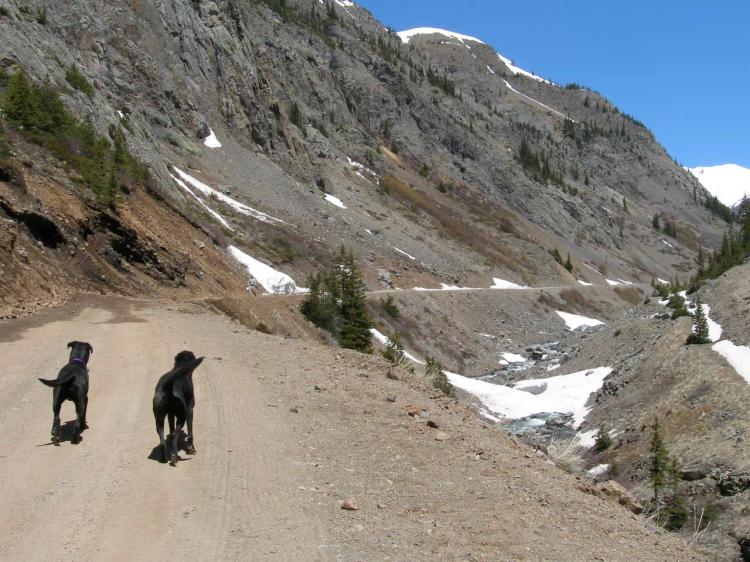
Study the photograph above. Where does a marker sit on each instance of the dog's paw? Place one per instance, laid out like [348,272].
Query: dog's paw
[76,440]
[173,461]
[190,450]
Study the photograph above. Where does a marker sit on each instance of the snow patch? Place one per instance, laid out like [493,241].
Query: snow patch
[585,284]
[574,321]
[514,358]
[404,253]
[714,328]
[610,282]
[512,89]
[490,70]
[598,470]
[498,283]
[587,439]
[213,213]
[274,282]
[236,205]
[211,141]
[334,201]
[562,394]
[738,356]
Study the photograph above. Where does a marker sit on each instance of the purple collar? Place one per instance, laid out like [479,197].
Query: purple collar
[78,360]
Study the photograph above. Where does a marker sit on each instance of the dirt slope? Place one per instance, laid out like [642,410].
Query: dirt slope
[276,457]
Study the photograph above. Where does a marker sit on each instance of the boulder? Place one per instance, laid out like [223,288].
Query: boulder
[611,490]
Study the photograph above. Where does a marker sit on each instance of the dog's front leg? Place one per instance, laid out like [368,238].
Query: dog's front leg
[85,410]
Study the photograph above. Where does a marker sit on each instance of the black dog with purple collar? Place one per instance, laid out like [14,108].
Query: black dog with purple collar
[72,383]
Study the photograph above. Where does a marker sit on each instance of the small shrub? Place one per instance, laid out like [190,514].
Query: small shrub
[284,250]
[261,327]
[618,331]
[78,81]
[436,375]
[566,455]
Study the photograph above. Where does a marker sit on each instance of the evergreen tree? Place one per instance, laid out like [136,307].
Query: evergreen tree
[18,101]
[658,471]
[568,264]
[700,328]
[336,303]
[602,440]
[354,330]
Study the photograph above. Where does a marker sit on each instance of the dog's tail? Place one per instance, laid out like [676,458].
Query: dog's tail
[58,382]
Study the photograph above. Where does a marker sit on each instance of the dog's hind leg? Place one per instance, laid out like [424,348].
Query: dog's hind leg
[56,405]
[162,442]
[189,442]
[80,416]
[175,437]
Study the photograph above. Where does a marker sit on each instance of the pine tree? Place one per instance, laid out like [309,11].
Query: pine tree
[700,328]
[354,328]
[658,471]
[18,101]
[602,440]
[568,264]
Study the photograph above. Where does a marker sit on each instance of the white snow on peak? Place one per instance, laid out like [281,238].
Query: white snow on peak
[490,70]
[334,201]
[738,356]
[575,322]
[498,283]
[345,3]
[517,70]
[233,203]
[585,284]
[408,34]
[271,280]
[512,89]
[211,141]
[610,282]
[562,394]
[728,182]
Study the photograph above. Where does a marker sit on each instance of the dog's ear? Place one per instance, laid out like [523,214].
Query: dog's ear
[71,343]
[91,349]
[194,364]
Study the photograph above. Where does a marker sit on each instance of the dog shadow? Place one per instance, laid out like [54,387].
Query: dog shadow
[67,432]
[157,454]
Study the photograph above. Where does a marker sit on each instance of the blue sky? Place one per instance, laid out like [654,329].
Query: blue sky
[680,66]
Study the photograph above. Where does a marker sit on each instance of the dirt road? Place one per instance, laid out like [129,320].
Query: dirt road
[286,430]
[104,498]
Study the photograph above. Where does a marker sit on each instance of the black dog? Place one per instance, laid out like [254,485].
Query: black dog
[174,398]
[72,383]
